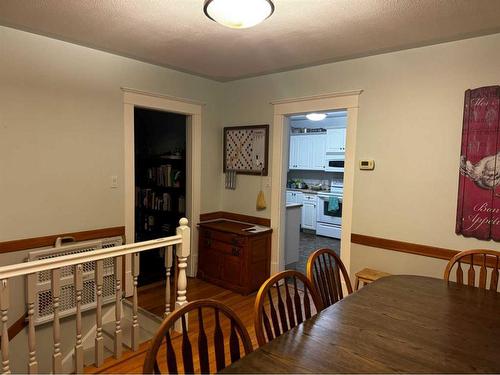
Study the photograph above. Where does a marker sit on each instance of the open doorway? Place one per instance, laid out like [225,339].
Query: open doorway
[283,109]
[314,184]
[160,183]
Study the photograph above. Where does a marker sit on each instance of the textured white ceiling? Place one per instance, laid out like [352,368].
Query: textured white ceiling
[176,33]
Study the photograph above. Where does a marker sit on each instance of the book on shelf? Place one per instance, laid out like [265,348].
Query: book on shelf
[148,198]
[164,175]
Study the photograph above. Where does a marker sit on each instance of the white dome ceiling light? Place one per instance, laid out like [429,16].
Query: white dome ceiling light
[316,116]
[238,14]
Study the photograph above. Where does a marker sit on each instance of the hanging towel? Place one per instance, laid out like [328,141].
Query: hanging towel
[333,204]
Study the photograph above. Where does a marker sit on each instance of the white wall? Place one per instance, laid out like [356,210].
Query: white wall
[61,136]
[410,122]
[61,133]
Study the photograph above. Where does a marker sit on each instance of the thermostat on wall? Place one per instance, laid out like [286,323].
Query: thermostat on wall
[366,164]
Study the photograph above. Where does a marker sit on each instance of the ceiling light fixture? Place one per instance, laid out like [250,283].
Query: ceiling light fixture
[316,116]
[238,14]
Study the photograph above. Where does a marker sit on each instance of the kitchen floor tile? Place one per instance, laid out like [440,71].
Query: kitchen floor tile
[308,244]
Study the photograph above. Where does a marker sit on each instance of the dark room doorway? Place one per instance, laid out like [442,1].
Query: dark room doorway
[160,183]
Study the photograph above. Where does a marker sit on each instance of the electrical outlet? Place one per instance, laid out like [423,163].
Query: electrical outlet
[114,182]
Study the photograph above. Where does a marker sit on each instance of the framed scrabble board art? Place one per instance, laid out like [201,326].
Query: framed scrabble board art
[246,149]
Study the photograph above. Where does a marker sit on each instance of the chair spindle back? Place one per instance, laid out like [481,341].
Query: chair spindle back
[283,301]
[473,259]
[325,270]
[203,308]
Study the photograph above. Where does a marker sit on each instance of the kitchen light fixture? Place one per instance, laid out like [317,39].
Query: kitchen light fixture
[316,116]
[238,14]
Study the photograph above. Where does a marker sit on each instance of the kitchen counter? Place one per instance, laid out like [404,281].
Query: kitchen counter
[308,191]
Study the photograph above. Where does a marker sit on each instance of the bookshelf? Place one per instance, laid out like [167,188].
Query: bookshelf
[160,183]
[160,195]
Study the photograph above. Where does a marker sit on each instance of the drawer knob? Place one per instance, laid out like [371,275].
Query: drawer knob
[236,251]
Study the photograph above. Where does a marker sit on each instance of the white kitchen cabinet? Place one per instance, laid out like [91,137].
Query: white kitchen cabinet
[307,152]
[318,152]
[294,196]
[300,152]
[294,152]
[309,211]
[304,152]
[335,140]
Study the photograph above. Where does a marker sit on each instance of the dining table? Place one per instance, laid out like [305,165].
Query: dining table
[397,324]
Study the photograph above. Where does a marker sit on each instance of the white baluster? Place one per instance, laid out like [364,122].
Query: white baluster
[99,343]
[30,300]
[4,308]
[56,294]
[182,251]
[135,319]
[118,308]
[78,281]
[169,254]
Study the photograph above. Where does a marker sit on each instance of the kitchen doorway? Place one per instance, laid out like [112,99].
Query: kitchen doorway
[283,108]
[314,185]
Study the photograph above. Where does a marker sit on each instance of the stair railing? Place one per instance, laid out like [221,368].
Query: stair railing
[29,270]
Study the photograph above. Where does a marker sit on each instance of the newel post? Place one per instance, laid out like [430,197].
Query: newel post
[183,250]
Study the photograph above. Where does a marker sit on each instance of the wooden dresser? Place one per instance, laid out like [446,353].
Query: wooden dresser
[233,258]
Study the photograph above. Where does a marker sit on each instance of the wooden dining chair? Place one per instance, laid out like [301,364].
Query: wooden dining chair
[325,270]
[283,301]
[483,259]
[209,313]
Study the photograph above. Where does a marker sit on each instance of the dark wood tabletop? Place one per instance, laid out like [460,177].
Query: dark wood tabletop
[232,227]
[406,324]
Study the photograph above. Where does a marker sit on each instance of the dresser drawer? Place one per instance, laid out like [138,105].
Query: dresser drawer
[221,247]
[228,238]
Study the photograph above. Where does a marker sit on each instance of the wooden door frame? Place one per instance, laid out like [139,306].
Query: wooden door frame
[282,109]
[194,112]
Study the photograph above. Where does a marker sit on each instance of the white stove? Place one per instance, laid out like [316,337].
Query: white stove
[329,216]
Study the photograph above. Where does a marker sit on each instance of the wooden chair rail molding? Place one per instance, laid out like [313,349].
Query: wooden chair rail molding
[408,247]
[236,217]
[32,243]
[17,327]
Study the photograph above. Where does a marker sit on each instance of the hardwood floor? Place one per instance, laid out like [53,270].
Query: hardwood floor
[152,297]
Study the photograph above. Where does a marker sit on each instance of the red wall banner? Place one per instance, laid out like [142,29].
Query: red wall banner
[478,207]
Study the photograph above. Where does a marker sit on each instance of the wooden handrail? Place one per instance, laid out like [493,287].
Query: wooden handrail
[26,268]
